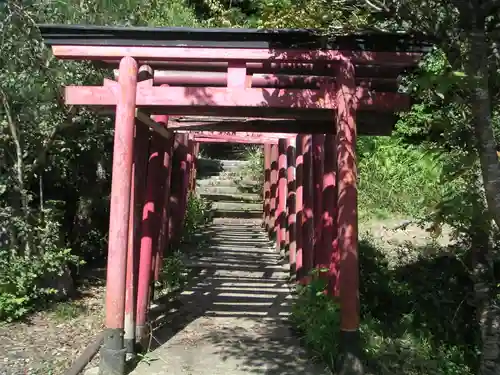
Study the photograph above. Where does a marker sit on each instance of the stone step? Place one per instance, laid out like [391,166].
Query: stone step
[236,206]
[238,197]
[231,214]
[216,182]
[232,163]
[214,189]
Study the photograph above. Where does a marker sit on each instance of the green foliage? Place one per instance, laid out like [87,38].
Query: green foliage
[173,273]
[317,317]
[65,311]
[21,280]
[402,330]
[250,177]
[49,151]
[398,179]
[198,213]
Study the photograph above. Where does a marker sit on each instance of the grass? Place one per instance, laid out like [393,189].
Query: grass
[67,310]
[398,180]
[414,319]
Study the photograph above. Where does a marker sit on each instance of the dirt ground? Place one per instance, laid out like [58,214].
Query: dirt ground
[47,342]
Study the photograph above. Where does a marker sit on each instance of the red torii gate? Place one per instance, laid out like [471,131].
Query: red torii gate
[324,89]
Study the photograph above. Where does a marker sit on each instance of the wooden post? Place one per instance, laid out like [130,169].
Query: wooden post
[163,239]
[291,204]
[347,220]
[151,218]
[138,185]
[267,186]
[177,189]
[113,352]
[307,211]
[274,191]
[299,206]
[186,163]
[281,199]
[318,143]
[329,256]
[196,151]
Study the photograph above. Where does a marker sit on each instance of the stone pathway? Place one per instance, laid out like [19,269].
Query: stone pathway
[231,319]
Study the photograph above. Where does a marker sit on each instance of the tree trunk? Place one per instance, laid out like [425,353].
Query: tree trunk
[488,311]
[481,117]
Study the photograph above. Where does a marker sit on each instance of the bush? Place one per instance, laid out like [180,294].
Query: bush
[198,213]
[28,279]
[250,177]
[402,308]
[173,274]
[398,179]
[317,317]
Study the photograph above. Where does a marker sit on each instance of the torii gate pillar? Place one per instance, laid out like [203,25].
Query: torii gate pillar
[113,351]
[347,220]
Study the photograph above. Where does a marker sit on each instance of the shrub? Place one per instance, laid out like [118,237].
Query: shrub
[27,279]
[198,213]
[252,171]
[402,308]
[398,179]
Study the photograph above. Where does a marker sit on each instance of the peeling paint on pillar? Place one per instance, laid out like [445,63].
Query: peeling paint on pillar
[163,239]
[318,144]
[273,190]
[291,205]
[329,257]
[112,351]
[141,143]
[347,221]
[307,211]
[282,196]
[299,177]
[267,185]
[151,217]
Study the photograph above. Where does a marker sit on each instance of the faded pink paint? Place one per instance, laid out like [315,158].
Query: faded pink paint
[212,97]
[274,189]
[318,143]
[347,218]
[151,216]
[164,196]
[282,196]
[120,195]
[141,142]
[299,206]
[237,74]
[267,186]
[186,54]
[330,256]
[308,208]
[180,78]
[291,204]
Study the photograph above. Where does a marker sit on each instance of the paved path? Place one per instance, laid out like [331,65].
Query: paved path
[232,318]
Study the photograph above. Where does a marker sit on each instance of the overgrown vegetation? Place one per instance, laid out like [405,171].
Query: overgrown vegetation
[55,161]
[174,272]
[250,178]
[419,314]
[403,328]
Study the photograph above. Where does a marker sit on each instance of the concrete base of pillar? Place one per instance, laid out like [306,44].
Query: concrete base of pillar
[350,362]
[112,353]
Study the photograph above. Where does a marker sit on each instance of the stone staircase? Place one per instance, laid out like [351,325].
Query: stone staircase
[216,181]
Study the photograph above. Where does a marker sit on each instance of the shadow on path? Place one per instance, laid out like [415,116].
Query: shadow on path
[231,317]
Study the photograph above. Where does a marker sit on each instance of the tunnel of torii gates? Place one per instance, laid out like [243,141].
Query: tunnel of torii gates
[304,96]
